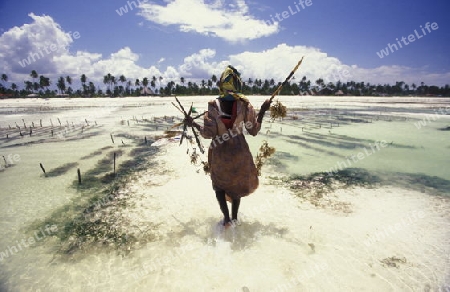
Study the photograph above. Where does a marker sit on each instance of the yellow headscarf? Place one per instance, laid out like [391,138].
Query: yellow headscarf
[230,85]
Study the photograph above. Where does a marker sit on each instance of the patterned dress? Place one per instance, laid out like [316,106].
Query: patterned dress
[230,160]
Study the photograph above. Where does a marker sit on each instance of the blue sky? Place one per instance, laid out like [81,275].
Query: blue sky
[197,38]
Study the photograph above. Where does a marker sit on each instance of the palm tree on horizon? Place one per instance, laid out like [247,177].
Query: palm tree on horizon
[153,82]
[28,86]
[61,84]
[160,86]
[69,81]
[128,88]
[34,75]
[137,84]
[83,80]
[91,88]
[14,87]
[44,82]
[108,79]
[5,78]
[145,84]
[122,80]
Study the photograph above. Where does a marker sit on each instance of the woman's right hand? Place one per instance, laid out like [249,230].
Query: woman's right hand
[265,106]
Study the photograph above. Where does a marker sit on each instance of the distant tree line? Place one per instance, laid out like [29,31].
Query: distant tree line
[121,86]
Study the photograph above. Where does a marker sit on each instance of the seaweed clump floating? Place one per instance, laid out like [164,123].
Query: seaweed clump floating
[265,151]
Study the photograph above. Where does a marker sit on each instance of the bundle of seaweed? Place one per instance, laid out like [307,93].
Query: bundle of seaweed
[265,151]
[206,167]
[194,157]
[278,110]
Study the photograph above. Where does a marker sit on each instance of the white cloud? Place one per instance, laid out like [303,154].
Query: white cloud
[123,62]
[199,65]
[18,42]
[230,22]
[275,63]
[278,62]
[39,42]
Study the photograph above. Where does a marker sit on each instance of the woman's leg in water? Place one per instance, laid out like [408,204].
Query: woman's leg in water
[235,208]
[220,195]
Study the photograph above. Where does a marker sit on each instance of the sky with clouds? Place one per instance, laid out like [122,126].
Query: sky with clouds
[340,40]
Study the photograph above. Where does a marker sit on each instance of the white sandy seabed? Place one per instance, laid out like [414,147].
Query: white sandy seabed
[392,239]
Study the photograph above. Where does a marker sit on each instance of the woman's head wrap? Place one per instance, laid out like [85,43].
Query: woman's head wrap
[230,85]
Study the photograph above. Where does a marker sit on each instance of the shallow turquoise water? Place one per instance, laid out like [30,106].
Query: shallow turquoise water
[388,144]
[27,196]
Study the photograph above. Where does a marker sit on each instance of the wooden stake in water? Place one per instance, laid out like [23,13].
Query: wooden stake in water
[42,167]
[79,176]
[114,163]
[112,139]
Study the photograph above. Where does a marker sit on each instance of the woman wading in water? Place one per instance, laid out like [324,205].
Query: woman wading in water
[233,172]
